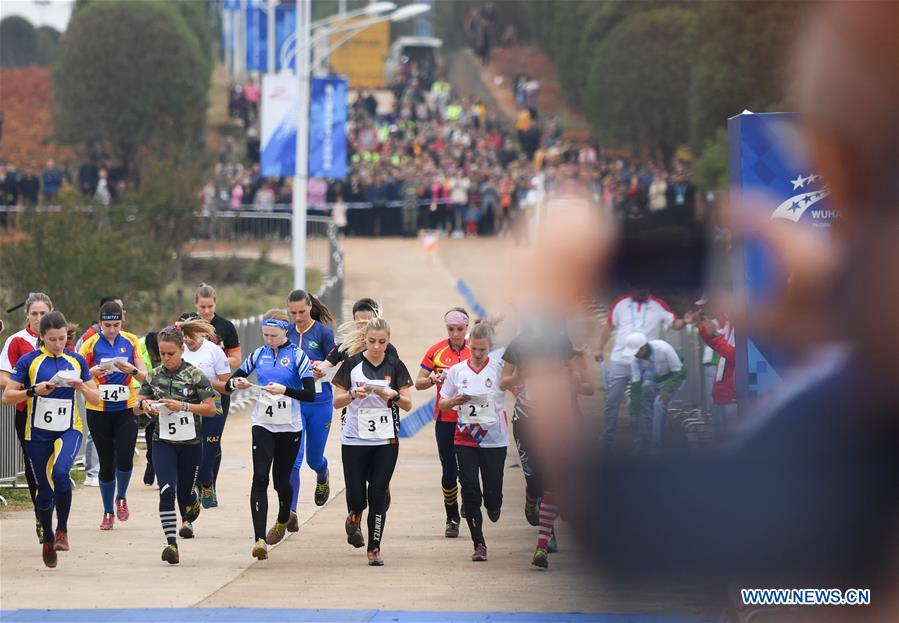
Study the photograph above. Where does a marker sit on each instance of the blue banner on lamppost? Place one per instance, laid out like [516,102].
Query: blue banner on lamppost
[327,128]
[770,174]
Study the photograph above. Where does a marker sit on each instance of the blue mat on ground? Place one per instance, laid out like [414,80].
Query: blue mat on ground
[289,615]
[418,419]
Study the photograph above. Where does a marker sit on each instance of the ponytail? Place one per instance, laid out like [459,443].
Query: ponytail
[352,336]
[319,312]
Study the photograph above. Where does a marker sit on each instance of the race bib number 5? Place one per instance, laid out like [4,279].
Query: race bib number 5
[177,426]
[376,424]
[53,414]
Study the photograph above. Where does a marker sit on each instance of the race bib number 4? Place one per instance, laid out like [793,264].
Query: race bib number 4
[177,426]
[114,393]
[275,409]
[478,411]
[376,424]
[53,414]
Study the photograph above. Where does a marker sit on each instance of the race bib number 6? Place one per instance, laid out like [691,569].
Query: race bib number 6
[53,414]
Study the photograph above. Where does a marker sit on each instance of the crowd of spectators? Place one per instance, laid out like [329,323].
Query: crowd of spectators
[95,180]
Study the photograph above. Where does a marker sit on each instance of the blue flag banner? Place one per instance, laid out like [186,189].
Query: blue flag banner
[257,33]
[327,128]
[769,173]
[231,5]
[257,27]
[278,126]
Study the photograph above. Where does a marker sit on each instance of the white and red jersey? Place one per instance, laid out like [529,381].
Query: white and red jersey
[482,422]
[648,317]
[17,345]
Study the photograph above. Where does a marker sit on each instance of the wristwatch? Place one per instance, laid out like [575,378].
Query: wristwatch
[30,392]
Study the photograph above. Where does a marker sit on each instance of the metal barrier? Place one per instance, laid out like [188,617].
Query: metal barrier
[12,460]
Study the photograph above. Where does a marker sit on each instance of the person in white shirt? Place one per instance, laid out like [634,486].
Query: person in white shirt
[657,375]
[472,387]
[202,352]
[639,311]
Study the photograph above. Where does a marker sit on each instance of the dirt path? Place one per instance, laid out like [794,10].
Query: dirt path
[316,568]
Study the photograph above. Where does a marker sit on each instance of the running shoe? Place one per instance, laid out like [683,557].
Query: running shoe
[39,529]
[322,492]
[186,531]
[553,546]
[480,553]
[354,531]
[62,541]
[108,521]
[540,559]
[452,529]
[48,554]
[121,509]
[276,533]
[293,524]
[374,558]
[170,554]
[207,496]
[532,511]
[193,511]
[149,475]
[91,481]
[493,515]
[260,550]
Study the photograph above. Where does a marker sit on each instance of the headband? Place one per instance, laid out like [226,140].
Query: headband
[173,327]
[274,322]
[455,317]
[110,317]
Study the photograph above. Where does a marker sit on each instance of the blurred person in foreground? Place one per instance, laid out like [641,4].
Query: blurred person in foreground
[807,493]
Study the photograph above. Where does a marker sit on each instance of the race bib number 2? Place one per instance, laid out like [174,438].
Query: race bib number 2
[479,411]
[53,414]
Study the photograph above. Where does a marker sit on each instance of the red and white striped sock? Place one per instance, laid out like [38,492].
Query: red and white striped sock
[548,513]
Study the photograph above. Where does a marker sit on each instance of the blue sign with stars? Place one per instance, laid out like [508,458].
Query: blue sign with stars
[769,173]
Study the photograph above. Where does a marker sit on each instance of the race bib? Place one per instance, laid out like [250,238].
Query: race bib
[53,414]
[275,409]
[376,424]
[177,426]
[478,411]
[114,393]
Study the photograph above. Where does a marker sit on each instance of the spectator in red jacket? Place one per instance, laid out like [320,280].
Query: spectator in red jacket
[724,389]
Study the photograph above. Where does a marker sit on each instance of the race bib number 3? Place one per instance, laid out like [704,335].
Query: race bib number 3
[53,414]
[477,412]
[177,426]
[114,393]
[376,424]
[275,409]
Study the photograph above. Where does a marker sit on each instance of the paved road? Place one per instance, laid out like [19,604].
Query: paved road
[316,568]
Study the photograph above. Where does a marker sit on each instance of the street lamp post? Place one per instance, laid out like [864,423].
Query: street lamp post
[304,58]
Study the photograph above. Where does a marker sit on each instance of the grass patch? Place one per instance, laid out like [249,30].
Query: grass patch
[18,498]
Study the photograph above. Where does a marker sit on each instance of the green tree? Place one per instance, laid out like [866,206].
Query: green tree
[47,42]
[18,42]
[131,75]
[741,57]
[711,166]
[78,257]
[166,200]
[639,82]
